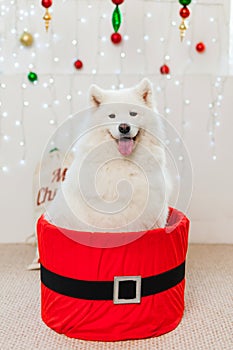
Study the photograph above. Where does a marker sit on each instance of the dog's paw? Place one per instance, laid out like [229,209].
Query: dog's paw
[33,266]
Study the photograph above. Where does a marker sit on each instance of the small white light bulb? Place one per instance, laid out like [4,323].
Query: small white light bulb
[6,138]
[5,169]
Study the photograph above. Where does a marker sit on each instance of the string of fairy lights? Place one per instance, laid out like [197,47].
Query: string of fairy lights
[24,44]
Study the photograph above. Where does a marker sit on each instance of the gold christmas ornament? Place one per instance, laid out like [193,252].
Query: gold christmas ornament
[182,29]
[26,39]
[47,17]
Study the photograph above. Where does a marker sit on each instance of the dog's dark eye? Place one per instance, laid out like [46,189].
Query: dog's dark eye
[133,114]
[112,115]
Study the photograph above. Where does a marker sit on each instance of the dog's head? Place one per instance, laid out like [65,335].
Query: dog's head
[124,111]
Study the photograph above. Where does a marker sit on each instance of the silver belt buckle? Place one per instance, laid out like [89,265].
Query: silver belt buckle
[119,279]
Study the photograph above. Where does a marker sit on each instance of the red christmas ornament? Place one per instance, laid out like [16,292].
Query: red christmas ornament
[117,2]
[184,12]
[164,69]
[116,38]
[46,3]
[200,47]
[78,64]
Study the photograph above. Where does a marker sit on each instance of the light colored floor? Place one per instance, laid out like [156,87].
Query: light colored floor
[207,323]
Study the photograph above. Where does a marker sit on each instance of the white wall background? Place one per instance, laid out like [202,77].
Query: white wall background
[197,98]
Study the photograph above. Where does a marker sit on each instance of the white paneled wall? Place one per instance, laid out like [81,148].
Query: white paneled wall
[31,113]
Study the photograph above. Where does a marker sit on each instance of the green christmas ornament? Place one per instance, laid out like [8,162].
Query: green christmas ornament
[116,19]
[32,77]
[185,2]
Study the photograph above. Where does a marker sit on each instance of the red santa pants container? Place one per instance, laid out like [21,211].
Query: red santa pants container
[95,288]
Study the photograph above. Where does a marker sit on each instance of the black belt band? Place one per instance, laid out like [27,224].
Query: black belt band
[103,290]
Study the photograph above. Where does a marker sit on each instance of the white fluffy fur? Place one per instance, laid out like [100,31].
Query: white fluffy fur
[106,191]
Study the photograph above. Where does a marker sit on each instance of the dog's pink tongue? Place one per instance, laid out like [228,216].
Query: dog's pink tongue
[125,146]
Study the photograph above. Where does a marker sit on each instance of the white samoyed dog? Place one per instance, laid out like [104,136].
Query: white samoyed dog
[118,181]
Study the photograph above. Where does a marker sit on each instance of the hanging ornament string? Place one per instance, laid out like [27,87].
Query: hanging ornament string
[144,72]
[184,13]
[122,57]
[47,16]
[185,76]
[95,71]
[116,22]
[78,63]
[15,30]
[26,39]
[165,70]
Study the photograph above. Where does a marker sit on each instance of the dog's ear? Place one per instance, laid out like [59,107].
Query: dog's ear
[145,91]
[95,95]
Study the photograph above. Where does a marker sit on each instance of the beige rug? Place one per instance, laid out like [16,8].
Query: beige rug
[207,323]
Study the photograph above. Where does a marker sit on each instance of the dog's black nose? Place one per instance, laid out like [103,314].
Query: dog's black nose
[124,128]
